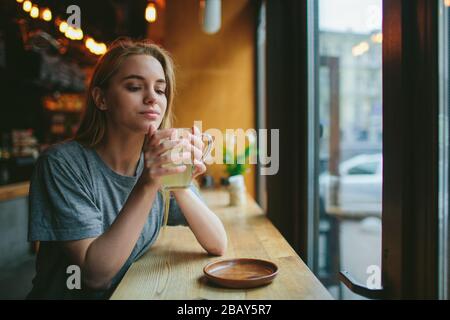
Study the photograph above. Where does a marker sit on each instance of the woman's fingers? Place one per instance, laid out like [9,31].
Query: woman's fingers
[196,138]
[160,134]
[177,159]
[189,139]
[150,133]
[159,171]
[151,130]
[187,146]
[197,146]
[199,168]
[177,146]
[166,146]
[197,141]
[179,152]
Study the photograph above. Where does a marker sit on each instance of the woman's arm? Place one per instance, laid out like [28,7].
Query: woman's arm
[102,257]
[206,226]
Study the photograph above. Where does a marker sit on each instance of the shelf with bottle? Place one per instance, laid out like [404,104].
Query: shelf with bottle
[64,102]
[62,112]
[19,150]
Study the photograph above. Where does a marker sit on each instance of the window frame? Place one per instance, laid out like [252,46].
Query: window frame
[444,148]
[410,165]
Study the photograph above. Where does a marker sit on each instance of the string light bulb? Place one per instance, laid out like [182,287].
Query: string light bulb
[80,34]
[89,42]
[150,12]
[27,6]
[75,33]
[102,48]
[34,13]
[47,14]
[94,47]
[63,26]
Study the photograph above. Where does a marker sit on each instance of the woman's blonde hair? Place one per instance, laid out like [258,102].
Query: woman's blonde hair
[93,124]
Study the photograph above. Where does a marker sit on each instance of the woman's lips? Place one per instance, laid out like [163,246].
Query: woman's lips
[150,115]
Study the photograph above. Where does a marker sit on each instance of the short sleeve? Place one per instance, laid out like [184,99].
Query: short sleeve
[176,216]
[61,205]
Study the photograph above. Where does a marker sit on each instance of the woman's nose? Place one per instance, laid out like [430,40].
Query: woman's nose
[150,97]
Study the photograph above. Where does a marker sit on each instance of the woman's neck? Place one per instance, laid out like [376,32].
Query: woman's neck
[121,152]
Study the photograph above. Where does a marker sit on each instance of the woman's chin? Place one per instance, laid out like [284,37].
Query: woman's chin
[145,125]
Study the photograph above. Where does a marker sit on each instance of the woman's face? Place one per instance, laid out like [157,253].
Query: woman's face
[135,96]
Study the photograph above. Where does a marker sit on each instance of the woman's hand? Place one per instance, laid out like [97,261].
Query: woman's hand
[197,146]
[156,155]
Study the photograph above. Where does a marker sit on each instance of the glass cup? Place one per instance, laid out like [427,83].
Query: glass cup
[183,179]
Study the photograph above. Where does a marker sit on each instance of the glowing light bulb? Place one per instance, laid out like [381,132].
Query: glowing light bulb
[63,27]
[47,14]
[27,6]
[89,43]
[79,34]
[102,48]
[150,12]
[34,13]
[70,33]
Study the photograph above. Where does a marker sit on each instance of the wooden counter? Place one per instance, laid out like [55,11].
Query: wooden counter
[12,191]
[173,266]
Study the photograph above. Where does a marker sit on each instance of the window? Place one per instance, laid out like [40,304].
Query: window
[349,105]
[340,107]
[364,169]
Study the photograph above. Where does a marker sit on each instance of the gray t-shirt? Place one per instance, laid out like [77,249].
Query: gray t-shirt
[74,195]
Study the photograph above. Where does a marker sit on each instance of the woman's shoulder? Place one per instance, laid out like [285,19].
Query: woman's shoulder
[69,151]
[63,148]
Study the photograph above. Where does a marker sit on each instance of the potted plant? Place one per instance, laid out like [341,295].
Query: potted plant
[236,165]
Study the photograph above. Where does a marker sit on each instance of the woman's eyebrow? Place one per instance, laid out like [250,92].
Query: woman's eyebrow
[139,77]
[133,76]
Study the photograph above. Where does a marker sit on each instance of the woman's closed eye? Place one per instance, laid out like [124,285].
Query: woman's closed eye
[134,88]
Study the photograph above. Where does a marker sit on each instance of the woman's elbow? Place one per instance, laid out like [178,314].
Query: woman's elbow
[216,252]
[97,284]
[219,250]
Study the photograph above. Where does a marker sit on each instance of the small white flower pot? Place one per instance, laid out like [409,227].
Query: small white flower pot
[237,190]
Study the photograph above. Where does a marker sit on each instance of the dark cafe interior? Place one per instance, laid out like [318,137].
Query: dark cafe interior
[319,132]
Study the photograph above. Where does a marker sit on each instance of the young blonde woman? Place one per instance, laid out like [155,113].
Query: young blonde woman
[95,201]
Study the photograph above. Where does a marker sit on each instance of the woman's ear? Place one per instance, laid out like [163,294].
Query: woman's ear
[99,98]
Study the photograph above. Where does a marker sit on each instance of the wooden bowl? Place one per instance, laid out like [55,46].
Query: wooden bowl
[241,273]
